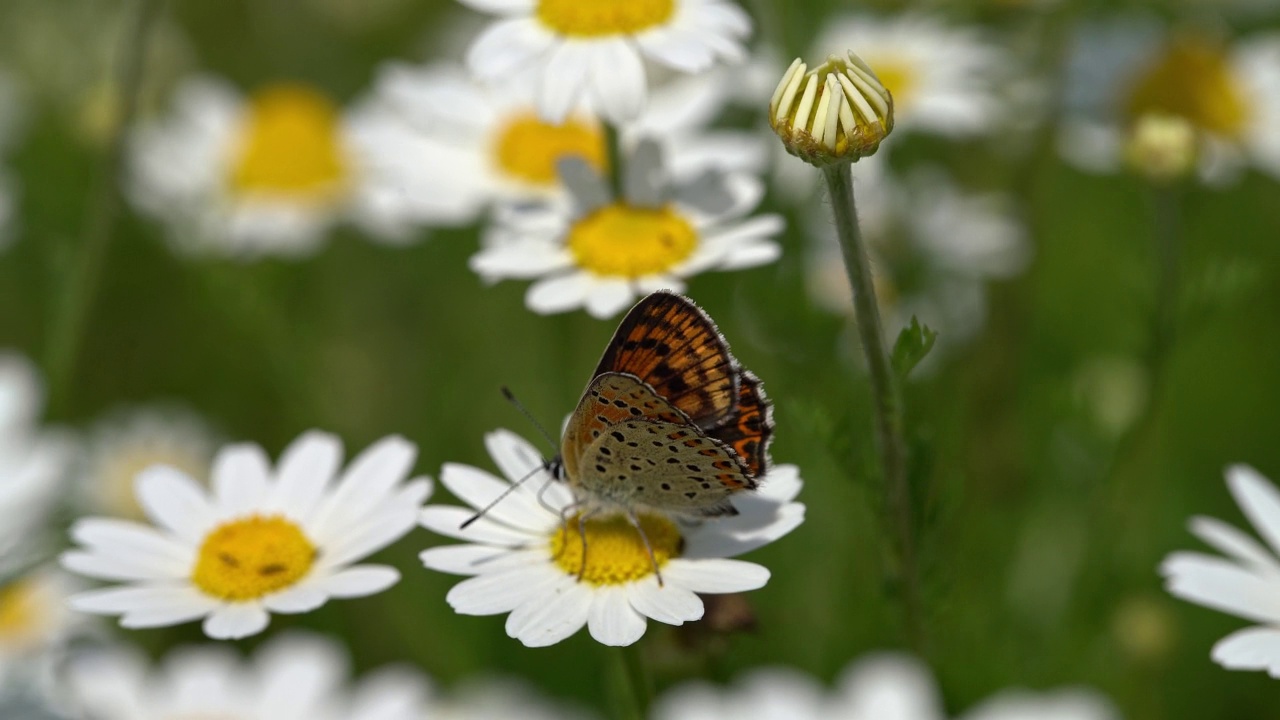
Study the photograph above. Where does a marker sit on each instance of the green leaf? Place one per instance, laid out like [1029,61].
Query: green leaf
[913,344]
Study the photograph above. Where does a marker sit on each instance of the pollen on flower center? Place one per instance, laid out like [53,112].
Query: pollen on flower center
[290,144]
[593,18]
[527,148]
[21,613]
[1192,79]
[615,552]
[252,557]
[631,242]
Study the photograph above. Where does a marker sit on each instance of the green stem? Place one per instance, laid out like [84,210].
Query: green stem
[67,328]
[633,688]
[613,154]
[886,400]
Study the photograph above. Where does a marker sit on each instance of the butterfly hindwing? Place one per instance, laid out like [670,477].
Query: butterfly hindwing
[749,429]
[611,398]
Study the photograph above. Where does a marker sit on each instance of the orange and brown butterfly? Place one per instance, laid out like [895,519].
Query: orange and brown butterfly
[670,422]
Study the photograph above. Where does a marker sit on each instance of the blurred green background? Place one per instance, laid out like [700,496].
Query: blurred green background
[1042,524]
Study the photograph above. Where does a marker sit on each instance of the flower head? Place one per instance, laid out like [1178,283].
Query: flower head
[1161,148]
[528,561]
[35,624]
[837,112]
[602,252]
[1246,582]
[257,542]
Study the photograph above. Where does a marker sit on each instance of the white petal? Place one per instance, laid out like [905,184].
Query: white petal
[447,520]
[715,575]
[306,469]
[1259,500]
[1235,543]
[107,567]
[143,598]
[499,592]
[236,620]
[175,502]
[551,616]
[617,80]
[397,516]
[303,597]
[608,297]
[1222,585]
[558,294]
[477,559]
[370,478]
[133,543]
[360,581]
[668,604]
[501,7]
[519,509]
[563,79]
[612,620]
[676,48]
[507,46]
[240,475]
[520,260]
[1250,649]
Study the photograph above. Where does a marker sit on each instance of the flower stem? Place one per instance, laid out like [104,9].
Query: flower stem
[633,688]
[886,400]
[67,327]
[613,155]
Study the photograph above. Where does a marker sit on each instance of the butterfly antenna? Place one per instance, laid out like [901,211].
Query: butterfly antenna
[511,398]
[514,486]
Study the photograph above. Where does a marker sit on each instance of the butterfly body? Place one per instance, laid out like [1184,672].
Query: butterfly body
[670,422]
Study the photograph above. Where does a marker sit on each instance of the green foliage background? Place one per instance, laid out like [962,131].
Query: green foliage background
[1041,530]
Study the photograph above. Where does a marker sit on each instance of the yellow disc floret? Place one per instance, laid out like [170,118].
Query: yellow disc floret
[620,240]
[595,18]
[527,148]
[22,613]
[615,551]
[248,558]
[290,144]
[1192,79]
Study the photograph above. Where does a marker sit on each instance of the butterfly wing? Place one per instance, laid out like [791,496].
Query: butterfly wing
[669,343]
[611,398]
[749,428]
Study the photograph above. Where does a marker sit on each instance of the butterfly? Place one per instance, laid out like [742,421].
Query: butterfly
[670,422]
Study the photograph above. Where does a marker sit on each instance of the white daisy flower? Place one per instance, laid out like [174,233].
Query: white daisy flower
[35,623]
[528,562]
[268,174]
[879,687]
[595,51]
[1246,582]
[1229,93]
[256,542]
[293,677]
[129,441]
[601,252]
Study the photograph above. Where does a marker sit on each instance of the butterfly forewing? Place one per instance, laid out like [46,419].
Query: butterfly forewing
[673,346]
[749,429]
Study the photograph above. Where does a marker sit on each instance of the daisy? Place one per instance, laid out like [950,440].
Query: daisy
[293,677]
[121,446]
[1246,582]
[525,560]
[602,252]
[35,623]
[268,174]
[879,687]
[1230,94]
[595,50]
[256,542]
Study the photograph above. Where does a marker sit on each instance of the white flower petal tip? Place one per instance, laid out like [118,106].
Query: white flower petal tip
[835,113]
[520,564]
[260,542]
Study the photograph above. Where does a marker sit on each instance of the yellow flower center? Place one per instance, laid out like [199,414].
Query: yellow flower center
[527,148]
[22,613]
[593,18]
[291,144]
[1192,79]
[631,242]
[249,558]
[899,77]
[615,552]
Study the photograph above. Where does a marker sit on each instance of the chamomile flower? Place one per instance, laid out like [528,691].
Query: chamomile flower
[1229,93]
[256,542]
[527,561]
[293,677]
[267,174]
[35,622]
[1246,582]
[601,252]
[879,687]
[594,50]
[129,441]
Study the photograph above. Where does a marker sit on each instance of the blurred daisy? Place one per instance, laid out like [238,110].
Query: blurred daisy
[1246,582]
[1229,94]
[526,560]
[257,542]
[35,622]
[121,446]
[878,687]
[292,677]
[601,252]
[264,175]
[595,51]
[33,461]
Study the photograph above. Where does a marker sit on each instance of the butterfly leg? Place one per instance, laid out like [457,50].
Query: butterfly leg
[582,535]
[564,514]
[644,538]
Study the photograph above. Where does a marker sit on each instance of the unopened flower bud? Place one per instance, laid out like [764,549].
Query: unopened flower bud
[835,113]
[1161,148]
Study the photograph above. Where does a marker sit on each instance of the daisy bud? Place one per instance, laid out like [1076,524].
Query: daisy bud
[837,112]
[1161,148]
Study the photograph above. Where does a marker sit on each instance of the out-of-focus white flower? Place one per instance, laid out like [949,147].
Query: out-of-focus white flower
[601,252]
[256,542]
[129,441]
[1246,582]
[933,246]
[293,677]
[35,622]
[528,561]
[1121,72]
[879,687]
[271,173]
[594,51]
